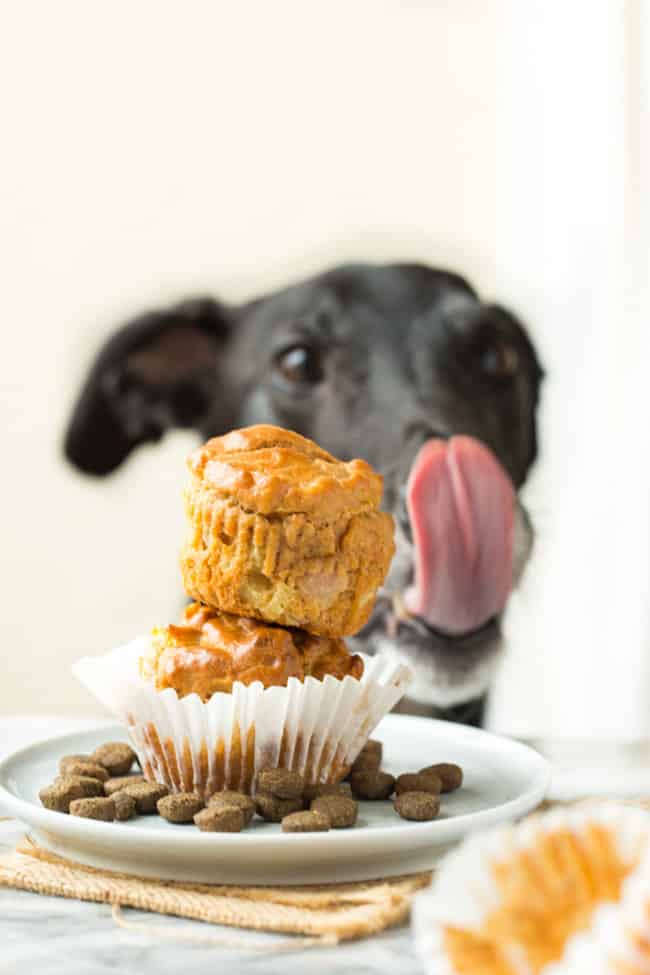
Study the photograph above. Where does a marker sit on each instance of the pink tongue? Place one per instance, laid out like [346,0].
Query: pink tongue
[461,505]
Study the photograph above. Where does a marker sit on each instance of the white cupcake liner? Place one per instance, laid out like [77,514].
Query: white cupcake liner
[464,892]
[315,727]
[618,942]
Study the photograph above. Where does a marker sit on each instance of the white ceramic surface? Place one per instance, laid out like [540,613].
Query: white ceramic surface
[503,780]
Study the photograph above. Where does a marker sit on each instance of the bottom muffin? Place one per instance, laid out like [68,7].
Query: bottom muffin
[196,739]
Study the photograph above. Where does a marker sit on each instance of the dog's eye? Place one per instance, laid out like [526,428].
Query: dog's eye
[500,360]
[300,364]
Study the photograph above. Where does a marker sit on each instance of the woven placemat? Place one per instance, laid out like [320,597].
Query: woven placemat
[322,914]
[313,915]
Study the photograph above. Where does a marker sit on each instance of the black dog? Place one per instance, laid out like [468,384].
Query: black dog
[368,361]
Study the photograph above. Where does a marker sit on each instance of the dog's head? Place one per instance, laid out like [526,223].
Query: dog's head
[402,365]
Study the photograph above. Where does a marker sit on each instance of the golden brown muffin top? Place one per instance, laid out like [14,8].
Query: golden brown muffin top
[211,650]
[268,470]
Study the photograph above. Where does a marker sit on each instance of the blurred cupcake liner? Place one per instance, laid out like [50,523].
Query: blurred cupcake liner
[314,727]
[563,893]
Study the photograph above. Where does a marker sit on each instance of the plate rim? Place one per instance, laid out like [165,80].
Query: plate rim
[439,832]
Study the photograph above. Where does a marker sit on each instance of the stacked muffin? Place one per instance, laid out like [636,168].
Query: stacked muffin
[286,550]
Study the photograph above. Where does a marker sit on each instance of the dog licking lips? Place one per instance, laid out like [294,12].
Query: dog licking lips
[461,505]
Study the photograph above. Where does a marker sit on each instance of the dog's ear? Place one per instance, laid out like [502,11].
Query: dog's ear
[156,372]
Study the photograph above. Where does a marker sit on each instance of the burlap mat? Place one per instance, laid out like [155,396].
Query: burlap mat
[321,915]
[325,914]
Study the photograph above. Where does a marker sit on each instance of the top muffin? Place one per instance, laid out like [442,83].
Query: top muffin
[283,531]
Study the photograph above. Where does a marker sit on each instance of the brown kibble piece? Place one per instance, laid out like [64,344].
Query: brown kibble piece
[374,745]
[71,759]
[66,789]
[220,819]
[340,810]
[372,785]
[118,783]
[418,782]
[368,760]
[116,756]
[146,795]
[180,807]
[418,806]
[237,799]
[91,770]
[281,783]
[89,787]
[273,809]
[125,807]
[326,789]
[450,775]
[99,807]
[305,822]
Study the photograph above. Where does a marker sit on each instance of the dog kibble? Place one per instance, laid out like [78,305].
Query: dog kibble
[220,819]
[89,787]
[146,795]
[418,782]
[118,783]
[372,785]
[100,807]
[450,775]
[305,822]
[326,789]
[281,783]
[125,807]
[116,756]
[418,806]
[72,759]
[180,807]
[92,770]
[368,760]
[273,809]
[374,745]
[340,810]
[65,790]
[236,799]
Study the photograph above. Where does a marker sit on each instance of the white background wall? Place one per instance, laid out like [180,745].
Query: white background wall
[153,150]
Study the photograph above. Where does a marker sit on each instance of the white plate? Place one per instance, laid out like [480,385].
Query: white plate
[503,780]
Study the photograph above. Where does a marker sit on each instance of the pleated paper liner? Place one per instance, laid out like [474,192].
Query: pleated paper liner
[566,892]
[314,727]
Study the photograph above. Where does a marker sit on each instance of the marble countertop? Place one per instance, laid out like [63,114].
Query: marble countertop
[56,936]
